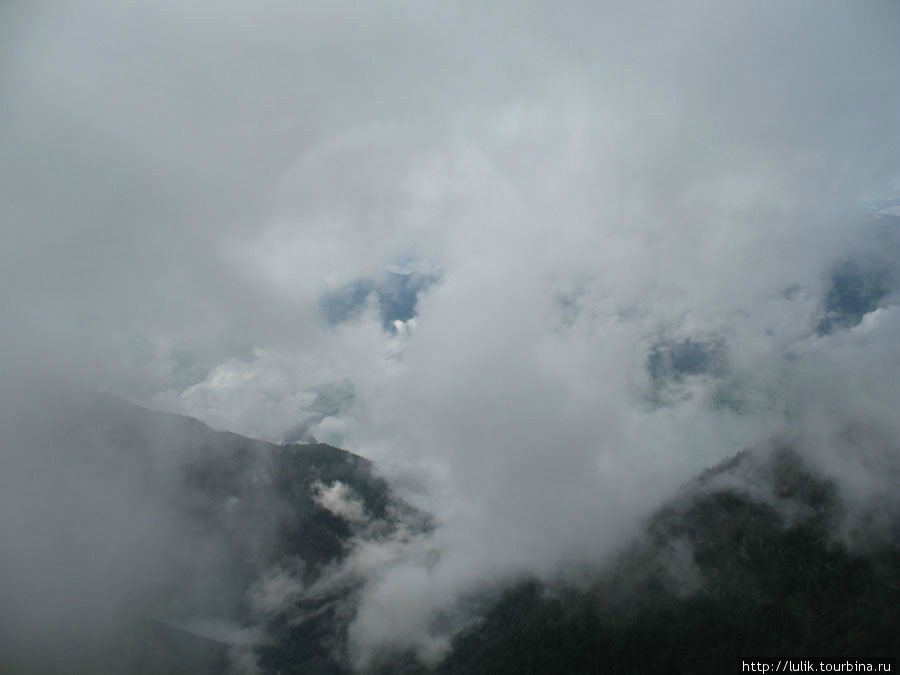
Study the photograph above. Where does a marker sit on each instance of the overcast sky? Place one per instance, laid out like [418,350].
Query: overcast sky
[640,237]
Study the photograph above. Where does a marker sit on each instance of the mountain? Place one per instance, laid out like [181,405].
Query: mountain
[756,558]
[147,543]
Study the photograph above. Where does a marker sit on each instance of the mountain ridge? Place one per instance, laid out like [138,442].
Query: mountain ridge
[751,555]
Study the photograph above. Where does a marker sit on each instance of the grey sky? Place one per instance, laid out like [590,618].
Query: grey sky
[182,185]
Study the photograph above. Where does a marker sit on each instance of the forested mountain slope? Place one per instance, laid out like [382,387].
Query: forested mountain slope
[756,558]
[185,550]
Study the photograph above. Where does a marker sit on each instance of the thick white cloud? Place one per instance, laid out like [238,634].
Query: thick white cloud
[339,499]
[183,184]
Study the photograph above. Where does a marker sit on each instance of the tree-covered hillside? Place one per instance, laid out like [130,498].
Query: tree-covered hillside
[757,557]
[720,574]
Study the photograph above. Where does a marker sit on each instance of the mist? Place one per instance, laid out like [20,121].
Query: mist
[541,263]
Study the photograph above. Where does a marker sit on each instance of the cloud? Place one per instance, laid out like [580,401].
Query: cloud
[645,219]
[338,499]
